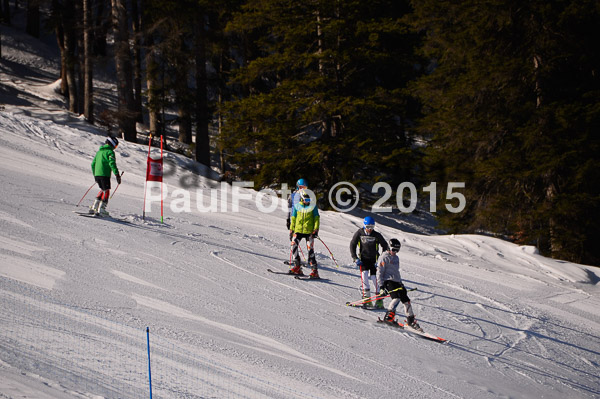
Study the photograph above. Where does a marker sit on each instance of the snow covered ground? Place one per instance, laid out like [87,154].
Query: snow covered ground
[78,293]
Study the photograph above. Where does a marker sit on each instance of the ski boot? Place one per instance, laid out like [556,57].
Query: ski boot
[314,274]
[102,211]
[297,269]
[412,323]
[379,304]
[94,208]
[366,296]
[389,317]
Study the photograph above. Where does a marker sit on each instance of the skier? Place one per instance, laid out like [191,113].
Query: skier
[388,277]
[104,162]
[293,199]
[304,223]
[368,240]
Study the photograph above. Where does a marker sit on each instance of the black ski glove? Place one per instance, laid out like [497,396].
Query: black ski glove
[118,176]
[287,223]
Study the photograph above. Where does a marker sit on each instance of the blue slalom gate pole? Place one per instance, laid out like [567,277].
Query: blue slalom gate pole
[149,369]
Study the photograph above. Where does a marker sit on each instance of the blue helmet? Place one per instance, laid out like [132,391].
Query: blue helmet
[369,223]
[301,183]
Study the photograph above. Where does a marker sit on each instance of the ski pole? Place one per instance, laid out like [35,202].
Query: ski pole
[387,296]
[376,297]
[366,300]
[116,188]
[332,258]
[86,193]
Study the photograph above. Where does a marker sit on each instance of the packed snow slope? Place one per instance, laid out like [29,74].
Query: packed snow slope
[520,325]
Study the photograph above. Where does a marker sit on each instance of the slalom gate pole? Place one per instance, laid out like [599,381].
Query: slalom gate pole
[376,297]
[161,182]
[149,369]
[86,193]
[362,283]
[116,188]
[146,183]
[332,258]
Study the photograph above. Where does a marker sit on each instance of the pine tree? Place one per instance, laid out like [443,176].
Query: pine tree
[88,107]
[320,91]
[126,108]
[512,103]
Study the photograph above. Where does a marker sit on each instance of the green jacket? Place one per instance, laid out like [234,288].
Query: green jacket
[305,219]
[105,161]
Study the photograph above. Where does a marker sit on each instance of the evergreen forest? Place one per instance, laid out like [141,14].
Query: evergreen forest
[501,95]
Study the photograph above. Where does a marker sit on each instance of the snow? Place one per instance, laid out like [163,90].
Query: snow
[78,293]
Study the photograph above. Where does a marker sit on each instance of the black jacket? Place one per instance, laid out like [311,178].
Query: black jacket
[368,245]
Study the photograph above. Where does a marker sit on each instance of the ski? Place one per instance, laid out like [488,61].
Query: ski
[95,216]
[305,277]
[406,327]
[394,323]
[362,306]
[397,324]
[287,262]
[374,298]
[287,273]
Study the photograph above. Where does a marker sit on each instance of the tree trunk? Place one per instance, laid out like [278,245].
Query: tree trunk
[152,87]
[88,105]
[70,59]
[57,16]
[185,125]
[6,16]
[137,61]
[220,99]
[202,119]
[126,112]
[80,56]
[183,93]
[33,18]
[151,75]
[101,26]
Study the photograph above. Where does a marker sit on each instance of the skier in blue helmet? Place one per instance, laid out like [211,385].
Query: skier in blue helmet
[293,199]
[368,242]
[304,224]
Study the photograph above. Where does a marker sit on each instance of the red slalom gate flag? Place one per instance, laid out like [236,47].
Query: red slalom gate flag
[154,172]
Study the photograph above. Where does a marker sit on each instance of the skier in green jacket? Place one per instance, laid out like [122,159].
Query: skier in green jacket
[103,164]
[304,223]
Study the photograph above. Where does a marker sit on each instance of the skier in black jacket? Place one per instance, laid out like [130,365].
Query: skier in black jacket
[369,241]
